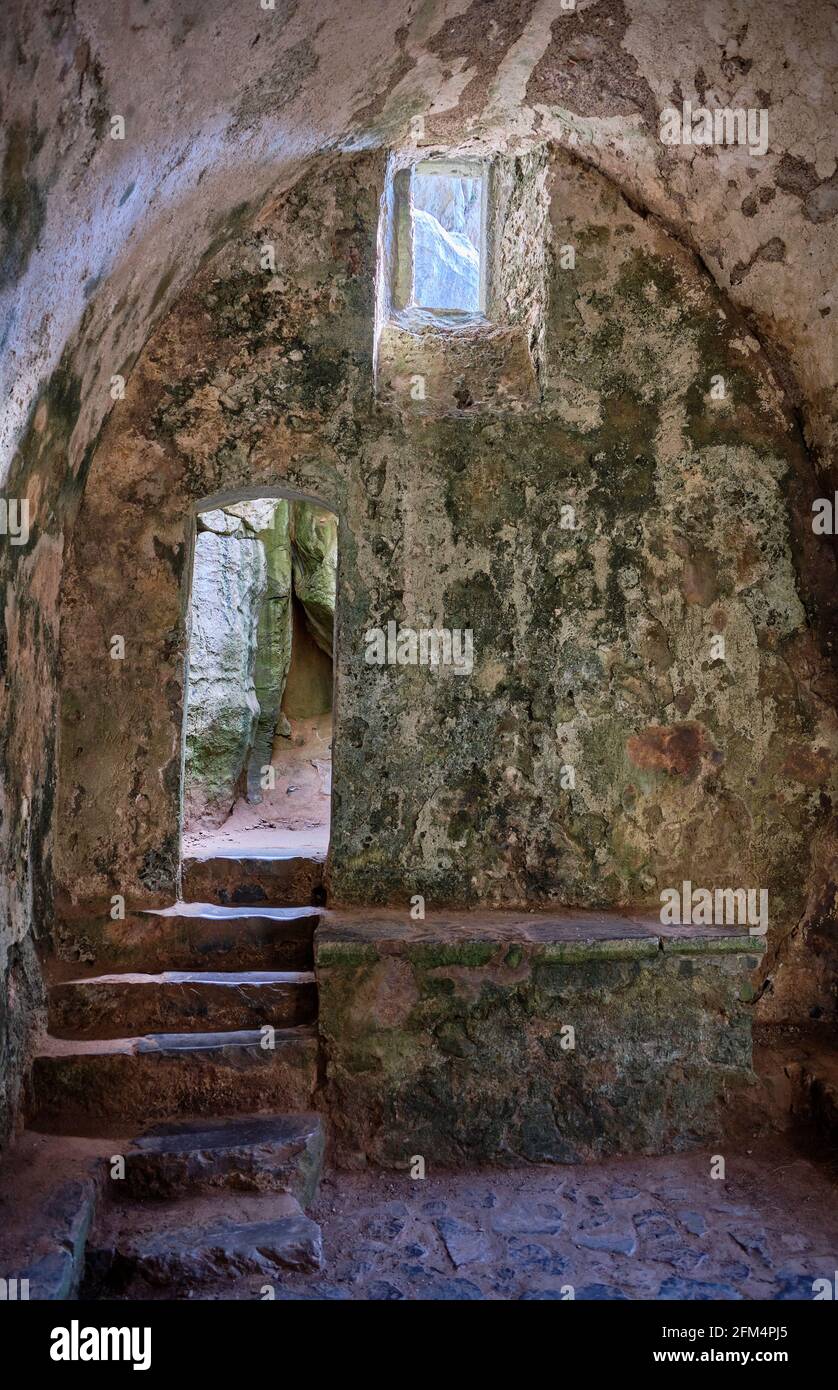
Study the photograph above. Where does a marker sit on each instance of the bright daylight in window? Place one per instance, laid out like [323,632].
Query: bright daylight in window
[447,203]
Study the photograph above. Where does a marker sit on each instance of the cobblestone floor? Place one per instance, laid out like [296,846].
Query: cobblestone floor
[654,1228]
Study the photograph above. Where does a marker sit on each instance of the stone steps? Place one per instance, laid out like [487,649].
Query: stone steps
[209,1202]
[248,1153]
[179,1259]
[206,1012]
[167,1074]
[271,877]
[201,935]
[109,1006]
[197,1202]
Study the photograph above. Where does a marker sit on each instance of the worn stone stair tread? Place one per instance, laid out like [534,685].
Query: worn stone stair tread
[233,879]
[176,1136]
[181,1257]
[252,853]
[198,977]
[189,936]
[195,1001]
[277,1153]
[162,1075]
[222,912]
[168,1044]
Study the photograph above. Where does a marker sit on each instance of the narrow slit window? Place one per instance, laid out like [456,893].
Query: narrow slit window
[447,207]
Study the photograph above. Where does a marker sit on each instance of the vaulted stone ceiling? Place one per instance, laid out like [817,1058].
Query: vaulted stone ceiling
[223,101]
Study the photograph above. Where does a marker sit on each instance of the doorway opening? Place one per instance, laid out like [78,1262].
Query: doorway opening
[257,766]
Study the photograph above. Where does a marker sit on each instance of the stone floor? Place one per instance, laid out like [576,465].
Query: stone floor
[658,1228]
[646,1228]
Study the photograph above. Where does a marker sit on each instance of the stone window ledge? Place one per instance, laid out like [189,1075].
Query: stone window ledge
[448,323]
[433,364]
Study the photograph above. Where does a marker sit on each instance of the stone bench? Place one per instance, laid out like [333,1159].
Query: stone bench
[514,1037]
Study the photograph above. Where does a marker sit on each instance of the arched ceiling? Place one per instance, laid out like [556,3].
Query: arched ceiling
[224,100]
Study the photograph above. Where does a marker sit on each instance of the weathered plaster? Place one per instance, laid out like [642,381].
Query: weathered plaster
[593,644]
[100,237]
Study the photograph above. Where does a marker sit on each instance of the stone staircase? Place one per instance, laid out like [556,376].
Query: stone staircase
[215,1039]
[204,1202]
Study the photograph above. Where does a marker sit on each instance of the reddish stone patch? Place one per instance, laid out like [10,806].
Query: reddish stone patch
[684,699]
[809,765]
[675,748]
[698,584]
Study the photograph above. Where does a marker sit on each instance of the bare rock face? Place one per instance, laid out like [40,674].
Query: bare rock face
[447,265]
[228,584]
[270,519]
[315,549]
[453,200]
[251,559]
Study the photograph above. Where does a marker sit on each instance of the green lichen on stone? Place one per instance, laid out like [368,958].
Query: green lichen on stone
[475,1066]
[273,641]
[469,953]
[580,951]
[346,954]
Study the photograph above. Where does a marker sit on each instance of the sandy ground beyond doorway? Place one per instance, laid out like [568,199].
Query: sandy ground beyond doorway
[294,814]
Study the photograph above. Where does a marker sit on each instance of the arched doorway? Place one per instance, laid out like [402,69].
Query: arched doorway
[259,692]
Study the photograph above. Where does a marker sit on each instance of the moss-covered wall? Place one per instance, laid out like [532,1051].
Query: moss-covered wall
[98,238]
[535,1046]
[30,575]
[595,630]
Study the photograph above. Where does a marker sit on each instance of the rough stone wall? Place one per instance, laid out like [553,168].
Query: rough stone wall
[518,244]
[593,645]
[29,657]
[221,105]
[98,237]
[428,1036]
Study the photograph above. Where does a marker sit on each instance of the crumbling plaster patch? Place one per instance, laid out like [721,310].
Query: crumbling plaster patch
[111,232]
